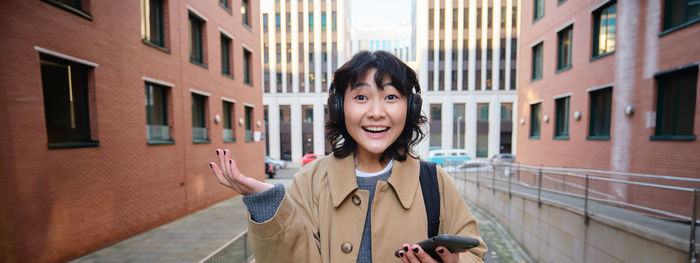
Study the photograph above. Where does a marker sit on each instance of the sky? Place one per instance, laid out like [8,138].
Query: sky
[385,13]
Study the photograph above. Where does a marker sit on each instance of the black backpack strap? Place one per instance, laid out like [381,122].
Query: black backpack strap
[431,196]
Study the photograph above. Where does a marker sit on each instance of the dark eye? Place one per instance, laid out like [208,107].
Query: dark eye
[360,97]
[392,97]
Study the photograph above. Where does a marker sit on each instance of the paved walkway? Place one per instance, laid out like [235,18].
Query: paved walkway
[188,239]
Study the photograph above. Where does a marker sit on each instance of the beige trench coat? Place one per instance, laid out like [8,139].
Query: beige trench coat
[322,215]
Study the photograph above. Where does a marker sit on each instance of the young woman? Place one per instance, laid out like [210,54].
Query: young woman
[364,201]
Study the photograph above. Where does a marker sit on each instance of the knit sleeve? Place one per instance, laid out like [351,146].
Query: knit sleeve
[262,206]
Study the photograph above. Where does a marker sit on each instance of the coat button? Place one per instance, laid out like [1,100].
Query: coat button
[346,248]
[356,200]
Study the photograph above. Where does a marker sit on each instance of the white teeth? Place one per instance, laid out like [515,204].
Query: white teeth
[376,129]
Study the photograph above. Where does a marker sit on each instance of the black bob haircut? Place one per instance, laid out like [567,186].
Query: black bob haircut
[403,78]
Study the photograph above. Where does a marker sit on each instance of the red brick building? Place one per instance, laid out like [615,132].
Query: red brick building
[110,112]
[611,86]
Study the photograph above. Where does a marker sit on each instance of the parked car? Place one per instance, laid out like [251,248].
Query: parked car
[503,158]
[309,157]
[278,164]
[271,171]
[447,157]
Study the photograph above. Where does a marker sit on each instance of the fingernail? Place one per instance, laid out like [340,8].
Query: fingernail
[415,250]
[401,254]
[230,161]
[211,166]
[217,152]
[440,250]
[405,248]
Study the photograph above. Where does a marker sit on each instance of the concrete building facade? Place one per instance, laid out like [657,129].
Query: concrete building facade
[303,42]
[466,58]
[112,110]
[612,86]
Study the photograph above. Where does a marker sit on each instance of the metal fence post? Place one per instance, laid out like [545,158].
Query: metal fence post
[539,190]
[510,180]
[477,179]
[493,179]
[693,253]
[585,205]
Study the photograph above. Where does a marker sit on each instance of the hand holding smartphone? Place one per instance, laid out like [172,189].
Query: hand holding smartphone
[454,244]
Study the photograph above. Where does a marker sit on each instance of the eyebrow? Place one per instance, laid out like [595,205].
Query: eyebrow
[365,84]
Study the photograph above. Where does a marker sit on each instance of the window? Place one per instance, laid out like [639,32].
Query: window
[248,124]
[323,22]
[601,105]
[675,105]
[244,12]
[604,30]
[435,122]
[311,22]
[199,126]
[680,12]
[482,130]
[157,128]
[535,117]
[537,61]
[152,21]
[246,67]
[78,7]
[561,122]
[265,17]
[226,4]
[226,55]
[196,40]
[228,116]
[278,22]
[564,49]
[333,22]
[66,102]
[538,10]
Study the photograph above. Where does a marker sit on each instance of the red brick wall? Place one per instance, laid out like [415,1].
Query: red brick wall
[672,158]
[56,205]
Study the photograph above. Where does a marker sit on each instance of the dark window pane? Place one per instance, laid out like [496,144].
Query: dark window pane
[157,112]
[565,48]
[678,12]
[677,93]
[66,100]
[604,29]
[199,130]
[225,55]
[601,105]
[535,117]
[537,61]
[562,117]
[246,66]
[248,124]
[196,39]
[154,27]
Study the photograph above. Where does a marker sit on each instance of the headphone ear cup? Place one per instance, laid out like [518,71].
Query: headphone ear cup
[335,107]
[415,102]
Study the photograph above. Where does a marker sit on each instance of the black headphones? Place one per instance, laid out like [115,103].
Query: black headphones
[336,113]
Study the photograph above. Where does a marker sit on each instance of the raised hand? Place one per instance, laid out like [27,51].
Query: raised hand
[230,176]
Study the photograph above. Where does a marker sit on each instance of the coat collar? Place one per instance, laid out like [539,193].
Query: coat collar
[342,180]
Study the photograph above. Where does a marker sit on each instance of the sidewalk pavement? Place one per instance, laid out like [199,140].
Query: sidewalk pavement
[188,239]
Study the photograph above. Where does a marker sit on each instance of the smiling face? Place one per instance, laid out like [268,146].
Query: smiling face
[374,117]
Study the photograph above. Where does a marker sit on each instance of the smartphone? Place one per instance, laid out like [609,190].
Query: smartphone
[453,243]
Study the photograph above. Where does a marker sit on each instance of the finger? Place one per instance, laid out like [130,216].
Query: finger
[227,160]
[409,254]
[217,173]
[402,256]
[446,255]
[222,163]
[422,255]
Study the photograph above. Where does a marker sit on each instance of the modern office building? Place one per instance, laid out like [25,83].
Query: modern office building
[612,85]
[466,61]
[110,112]
[303,42]
[397,40]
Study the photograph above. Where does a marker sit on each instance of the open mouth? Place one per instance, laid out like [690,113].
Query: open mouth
[375,129]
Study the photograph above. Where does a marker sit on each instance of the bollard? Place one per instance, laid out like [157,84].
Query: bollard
[585,205]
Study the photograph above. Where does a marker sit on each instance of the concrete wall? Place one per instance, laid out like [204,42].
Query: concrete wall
[557,233]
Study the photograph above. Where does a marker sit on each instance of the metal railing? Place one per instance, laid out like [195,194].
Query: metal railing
[235,250]
[631,191]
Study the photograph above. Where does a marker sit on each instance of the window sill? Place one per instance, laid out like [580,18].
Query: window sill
[201,141]
[561,137]
[598,138]
[672,138]
[560,2]
[198,63]
[227,75]
[249,84]
[536,137]
[156,46]
[249,140]
[68,145]
[678,27]
[71,9]
[248,27]
[537,19]
[229,140]
[563,69]
[601,56]
[160,142]
[536,79]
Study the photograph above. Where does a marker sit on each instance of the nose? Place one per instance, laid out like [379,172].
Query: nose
[376,111]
